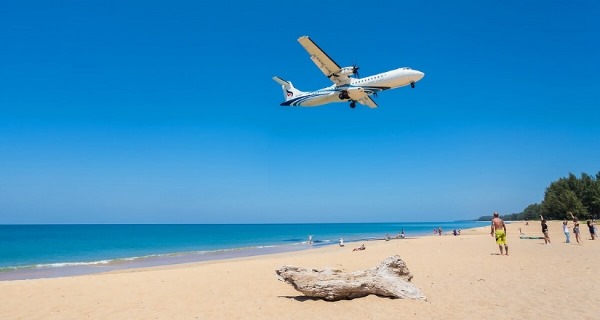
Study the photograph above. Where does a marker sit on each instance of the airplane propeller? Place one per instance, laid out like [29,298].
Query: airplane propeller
[355,70]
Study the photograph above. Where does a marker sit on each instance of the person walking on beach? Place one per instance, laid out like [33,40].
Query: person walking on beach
[545,230]
[566,231]
[499,230]
[592,230]
[439,231]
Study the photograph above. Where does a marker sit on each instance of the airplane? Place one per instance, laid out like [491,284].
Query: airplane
[347,85]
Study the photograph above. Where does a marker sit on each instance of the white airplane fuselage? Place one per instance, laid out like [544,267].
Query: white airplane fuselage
[382,81]
[347,86]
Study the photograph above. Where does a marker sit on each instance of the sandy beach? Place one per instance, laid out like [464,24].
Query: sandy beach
[463,277]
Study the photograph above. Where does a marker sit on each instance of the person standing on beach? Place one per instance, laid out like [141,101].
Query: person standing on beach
[439,231]
[576,228]
[499,230]
[592,230]
[545,230]
[566,231]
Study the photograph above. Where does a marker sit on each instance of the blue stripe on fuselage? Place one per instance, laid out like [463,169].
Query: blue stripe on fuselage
[317,94]
[298,100]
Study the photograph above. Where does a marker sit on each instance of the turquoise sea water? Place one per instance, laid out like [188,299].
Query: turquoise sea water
[33,251]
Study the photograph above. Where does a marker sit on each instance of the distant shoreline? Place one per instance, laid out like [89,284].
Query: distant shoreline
[81,266]
[67,269]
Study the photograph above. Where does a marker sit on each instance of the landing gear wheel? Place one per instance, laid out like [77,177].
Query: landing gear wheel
[344,95]
[352,104]
[412,85]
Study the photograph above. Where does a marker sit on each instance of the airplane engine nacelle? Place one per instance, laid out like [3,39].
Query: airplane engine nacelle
[347,71]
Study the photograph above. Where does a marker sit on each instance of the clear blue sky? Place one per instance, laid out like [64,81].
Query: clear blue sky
[165,112]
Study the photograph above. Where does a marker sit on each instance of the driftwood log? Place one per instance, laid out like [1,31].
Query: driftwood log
[390,278]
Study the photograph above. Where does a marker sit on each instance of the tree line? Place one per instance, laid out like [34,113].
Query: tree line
[581,196]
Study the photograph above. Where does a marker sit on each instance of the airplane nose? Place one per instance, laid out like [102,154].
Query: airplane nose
[419,75]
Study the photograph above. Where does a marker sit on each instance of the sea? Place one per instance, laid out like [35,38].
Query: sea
[47,251]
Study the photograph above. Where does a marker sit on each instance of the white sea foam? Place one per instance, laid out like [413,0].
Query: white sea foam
[130,259]
[69,264]
[271,246]
[56,265]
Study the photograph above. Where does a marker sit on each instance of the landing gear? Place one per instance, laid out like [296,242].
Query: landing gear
[345,96]
[412,85]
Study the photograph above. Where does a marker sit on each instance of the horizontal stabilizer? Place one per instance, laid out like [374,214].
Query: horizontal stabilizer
[288,89]
[281,81]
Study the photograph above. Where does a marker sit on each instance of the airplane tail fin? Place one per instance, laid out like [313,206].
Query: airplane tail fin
[289,92]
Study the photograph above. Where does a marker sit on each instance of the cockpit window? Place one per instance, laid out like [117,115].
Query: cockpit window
[405,68]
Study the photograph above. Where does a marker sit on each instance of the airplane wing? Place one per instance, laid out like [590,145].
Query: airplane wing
[323,61]
[360,96]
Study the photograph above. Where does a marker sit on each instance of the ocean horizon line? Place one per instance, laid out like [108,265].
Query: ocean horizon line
[224,223]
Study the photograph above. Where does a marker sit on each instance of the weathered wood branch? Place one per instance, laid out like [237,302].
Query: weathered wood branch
[390,278]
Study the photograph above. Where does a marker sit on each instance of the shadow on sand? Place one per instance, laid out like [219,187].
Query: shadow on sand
[301,298]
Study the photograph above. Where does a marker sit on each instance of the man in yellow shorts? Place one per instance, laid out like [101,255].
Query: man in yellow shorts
[499,230]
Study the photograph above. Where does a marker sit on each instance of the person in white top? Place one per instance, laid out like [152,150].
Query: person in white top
[566,231]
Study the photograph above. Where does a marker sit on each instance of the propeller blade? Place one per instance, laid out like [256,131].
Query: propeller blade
[355,71]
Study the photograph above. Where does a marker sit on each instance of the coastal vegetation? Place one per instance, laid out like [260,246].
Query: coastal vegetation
[581,196]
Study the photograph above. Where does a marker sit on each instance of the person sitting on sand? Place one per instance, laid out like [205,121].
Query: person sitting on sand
[341,242]
[499,230]
[362,247]
[545,230]
[402,234]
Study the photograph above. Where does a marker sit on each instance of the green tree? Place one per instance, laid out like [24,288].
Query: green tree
[532,212]
[581,196]
[574,184]
[559,199]
[591,194]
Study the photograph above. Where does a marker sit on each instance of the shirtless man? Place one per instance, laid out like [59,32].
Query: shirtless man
[499,230]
